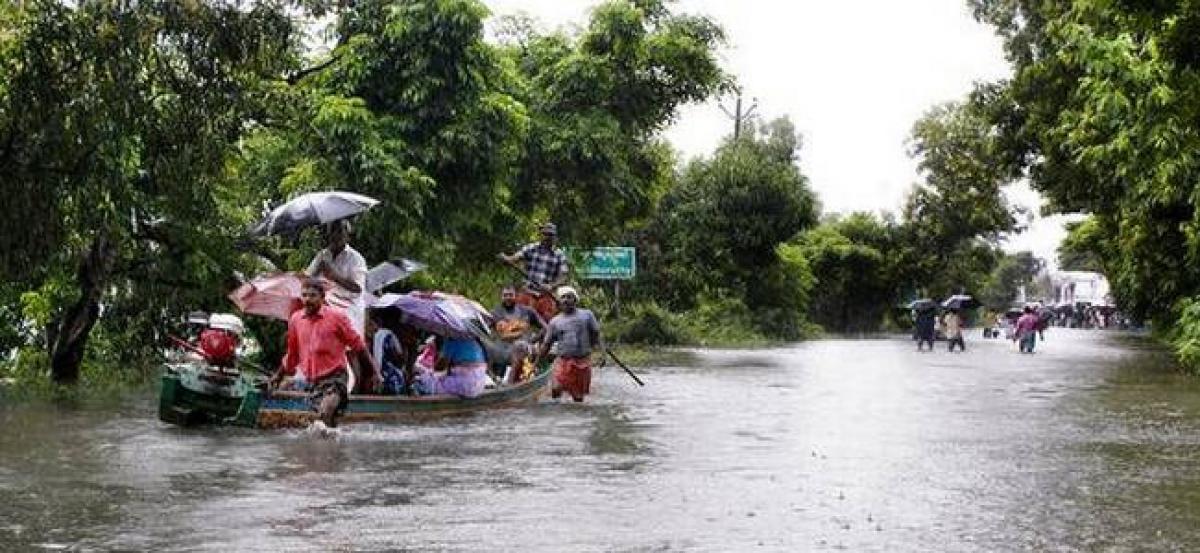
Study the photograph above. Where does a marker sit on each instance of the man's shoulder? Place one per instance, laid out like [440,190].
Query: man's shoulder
[355,255]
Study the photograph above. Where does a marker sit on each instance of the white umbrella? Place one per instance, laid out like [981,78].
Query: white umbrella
[391,271]
[311,209]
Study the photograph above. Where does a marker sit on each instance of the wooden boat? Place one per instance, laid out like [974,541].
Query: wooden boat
[195,393]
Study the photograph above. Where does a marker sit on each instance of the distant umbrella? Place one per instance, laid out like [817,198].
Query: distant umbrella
[312,209]
[960,301]
[391,271]
[923,304]
[1045,313]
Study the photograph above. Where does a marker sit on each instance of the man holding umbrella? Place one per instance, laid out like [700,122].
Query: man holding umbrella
[545,268]
[344,266]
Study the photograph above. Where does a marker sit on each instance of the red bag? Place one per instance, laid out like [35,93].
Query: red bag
[219,346]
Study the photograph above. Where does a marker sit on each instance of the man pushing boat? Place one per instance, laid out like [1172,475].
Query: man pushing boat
[317,340]
[545,268]
[577,333]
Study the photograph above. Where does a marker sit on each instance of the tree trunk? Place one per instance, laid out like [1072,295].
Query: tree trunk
[70,342]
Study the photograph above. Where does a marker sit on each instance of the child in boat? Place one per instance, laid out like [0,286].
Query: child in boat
[424,380]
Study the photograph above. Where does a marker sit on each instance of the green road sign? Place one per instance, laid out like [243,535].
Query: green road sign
[609,263]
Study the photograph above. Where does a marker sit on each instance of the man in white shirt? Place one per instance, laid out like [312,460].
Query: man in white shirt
[343,265]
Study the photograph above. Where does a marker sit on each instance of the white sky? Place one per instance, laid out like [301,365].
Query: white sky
[852,75]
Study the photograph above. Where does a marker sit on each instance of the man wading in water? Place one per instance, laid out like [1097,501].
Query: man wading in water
[317,339]
[577,333]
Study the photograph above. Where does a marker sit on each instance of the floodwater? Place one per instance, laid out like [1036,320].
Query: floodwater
[1091,444]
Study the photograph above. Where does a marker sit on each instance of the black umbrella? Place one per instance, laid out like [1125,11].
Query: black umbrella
[391,271]
[312,209]
[960,301]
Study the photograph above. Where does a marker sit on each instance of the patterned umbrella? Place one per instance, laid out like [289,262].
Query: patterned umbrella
[439,313]
[277,295]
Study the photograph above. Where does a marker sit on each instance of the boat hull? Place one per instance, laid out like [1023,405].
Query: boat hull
[245,403]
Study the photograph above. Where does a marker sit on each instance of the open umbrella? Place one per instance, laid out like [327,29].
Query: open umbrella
[311,209]
[277,295]
[960,301]
[1045,314]
[439,313]
[391,271]
[923,304]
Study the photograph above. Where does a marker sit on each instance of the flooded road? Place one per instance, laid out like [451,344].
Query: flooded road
[1091,444]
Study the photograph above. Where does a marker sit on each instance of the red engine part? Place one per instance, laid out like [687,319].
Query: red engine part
[219,347]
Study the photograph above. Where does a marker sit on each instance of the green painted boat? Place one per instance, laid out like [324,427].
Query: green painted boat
[194,393]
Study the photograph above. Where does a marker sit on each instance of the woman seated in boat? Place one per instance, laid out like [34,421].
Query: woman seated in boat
[387,351]
[465,365]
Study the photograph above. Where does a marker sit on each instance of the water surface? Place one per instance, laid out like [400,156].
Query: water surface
[1091,444]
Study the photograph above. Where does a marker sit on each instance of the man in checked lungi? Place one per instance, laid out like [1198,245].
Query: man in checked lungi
[546,268]
[577,333]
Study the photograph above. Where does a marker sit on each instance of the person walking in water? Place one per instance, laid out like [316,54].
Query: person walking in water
[926,319]
[1026,332]
[577,333]
[952,322]
[318,337]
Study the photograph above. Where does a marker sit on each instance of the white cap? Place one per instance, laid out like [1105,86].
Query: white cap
[564,290]
[227,321]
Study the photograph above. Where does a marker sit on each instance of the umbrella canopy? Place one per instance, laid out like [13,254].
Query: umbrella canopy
[439,313]
[923,304]
[1046,313]
[277,295]
[960,301]
[311,209]
[391,271]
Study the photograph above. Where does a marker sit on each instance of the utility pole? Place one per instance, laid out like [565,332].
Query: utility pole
[737,115]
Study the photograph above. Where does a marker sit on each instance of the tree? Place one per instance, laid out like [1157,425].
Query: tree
[1099,112]
[1013,273]
[853,289]
[116,121]
[1083,248]
[720,227]
[597,103]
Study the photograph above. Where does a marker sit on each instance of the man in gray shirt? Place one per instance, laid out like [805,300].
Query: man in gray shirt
[577,333]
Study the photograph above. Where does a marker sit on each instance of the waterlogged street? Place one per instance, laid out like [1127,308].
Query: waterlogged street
[1091,444]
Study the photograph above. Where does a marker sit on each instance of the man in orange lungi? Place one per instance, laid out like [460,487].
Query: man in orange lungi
[577,333]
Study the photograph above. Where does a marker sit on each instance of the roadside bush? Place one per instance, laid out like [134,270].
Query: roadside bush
[648,323]
[1184,335]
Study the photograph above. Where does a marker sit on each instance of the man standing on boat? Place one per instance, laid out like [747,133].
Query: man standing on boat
[344,266]
[317,340]
[577,333]
[545,268]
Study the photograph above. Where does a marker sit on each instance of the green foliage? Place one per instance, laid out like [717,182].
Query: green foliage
[139,140]
[1083,248]
[1101,113]
[853,290]
[717,232]
[1184,335]
[1011,273]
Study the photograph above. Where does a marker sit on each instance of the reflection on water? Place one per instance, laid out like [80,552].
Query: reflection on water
[1091,444]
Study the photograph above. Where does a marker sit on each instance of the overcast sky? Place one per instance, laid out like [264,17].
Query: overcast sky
[852,75]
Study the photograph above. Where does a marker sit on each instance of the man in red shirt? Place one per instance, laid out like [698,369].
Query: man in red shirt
[317,339]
